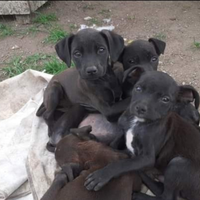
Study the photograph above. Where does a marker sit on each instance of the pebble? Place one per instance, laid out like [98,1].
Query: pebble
[107,21]
[15,47]
[87,18]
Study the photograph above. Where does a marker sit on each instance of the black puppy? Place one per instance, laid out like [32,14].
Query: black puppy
[188,109]
[157,137]
[91,86]
[145,55]
[141,53]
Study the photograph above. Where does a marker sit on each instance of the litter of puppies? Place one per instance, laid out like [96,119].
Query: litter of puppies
[158,120]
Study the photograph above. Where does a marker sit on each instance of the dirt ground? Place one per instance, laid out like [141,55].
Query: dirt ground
[178,23]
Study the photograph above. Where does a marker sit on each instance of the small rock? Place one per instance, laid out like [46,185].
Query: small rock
[183,83]
[15,47]
[110,28]
[107,21]
[87,18]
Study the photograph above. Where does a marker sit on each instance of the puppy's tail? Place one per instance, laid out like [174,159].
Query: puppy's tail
[41,110]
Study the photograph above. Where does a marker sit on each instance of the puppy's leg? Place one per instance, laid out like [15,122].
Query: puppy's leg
[70,119]
[58,183]
[181,178]
[72,170]
[41,110]
[156,187]
[52,97]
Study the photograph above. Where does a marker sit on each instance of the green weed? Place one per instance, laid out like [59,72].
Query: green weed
[41,62]
[5,30]
[45,19]
[55,34]
[196,44]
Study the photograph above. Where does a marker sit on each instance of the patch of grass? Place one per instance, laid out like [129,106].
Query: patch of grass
[41,62]
[45,19]
[19,64]
[93,21]
[196,44]
[55,34]
[5,30]
[33,30]
[30,30]
[160,36]
[54,66]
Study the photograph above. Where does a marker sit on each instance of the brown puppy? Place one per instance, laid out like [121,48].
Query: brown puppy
[78,156]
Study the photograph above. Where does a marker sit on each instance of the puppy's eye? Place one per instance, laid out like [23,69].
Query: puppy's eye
[154,59]
[77,54]
[138,89]
[165,99]
[131,61]
[101,50]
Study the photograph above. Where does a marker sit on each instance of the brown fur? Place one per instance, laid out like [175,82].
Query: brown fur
[92,155]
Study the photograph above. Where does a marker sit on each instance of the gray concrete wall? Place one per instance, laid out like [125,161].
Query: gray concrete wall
[19,7]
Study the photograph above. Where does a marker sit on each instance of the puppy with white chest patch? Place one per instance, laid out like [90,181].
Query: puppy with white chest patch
[157,138]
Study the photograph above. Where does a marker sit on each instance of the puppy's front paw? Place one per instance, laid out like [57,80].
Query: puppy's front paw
[72,170]
[96,180]
[60,179]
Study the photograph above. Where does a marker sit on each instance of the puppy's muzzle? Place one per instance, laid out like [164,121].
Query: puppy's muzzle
[141,109]
[90,71]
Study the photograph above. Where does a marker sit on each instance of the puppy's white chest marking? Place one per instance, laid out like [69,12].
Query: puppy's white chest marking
[129,140]
[130,134]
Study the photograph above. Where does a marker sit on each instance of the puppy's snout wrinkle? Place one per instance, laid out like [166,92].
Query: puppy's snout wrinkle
[91,70]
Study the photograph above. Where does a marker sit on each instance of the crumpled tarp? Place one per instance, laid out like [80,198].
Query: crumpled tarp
[26,167]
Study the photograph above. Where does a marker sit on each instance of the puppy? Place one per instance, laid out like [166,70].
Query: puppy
[141,53]
[157,137]
[187,108]
[91,86]
[78,154]
[145,54]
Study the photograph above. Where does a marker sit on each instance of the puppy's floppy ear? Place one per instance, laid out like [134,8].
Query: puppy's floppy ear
[120,59]
[63,49]
[115,44]
[189,94]
[159,45]
[83,131]
[132,74]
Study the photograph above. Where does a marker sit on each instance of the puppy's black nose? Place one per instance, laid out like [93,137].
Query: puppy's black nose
[91,70]
[141,109]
